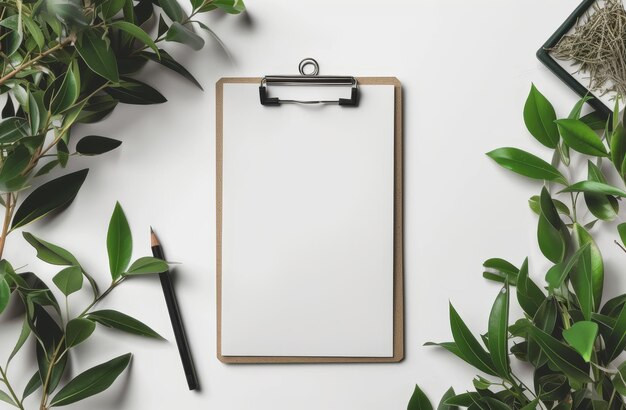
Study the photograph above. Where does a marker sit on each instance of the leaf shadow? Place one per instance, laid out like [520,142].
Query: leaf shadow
[124,385]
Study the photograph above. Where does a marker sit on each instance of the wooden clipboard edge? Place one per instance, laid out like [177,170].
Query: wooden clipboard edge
[398,256]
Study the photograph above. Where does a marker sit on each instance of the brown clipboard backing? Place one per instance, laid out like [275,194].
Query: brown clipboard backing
[398,298]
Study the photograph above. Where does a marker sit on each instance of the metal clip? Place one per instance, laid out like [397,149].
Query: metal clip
[310,78]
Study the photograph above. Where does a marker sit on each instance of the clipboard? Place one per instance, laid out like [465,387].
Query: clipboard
[268,101]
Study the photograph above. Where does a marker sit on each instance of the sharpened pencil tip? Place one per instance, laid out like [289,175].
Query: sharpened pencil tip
[154,241]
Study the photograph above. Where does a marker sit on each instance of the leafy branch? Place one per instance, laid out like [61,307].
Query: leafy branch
[570,336]
[65,64]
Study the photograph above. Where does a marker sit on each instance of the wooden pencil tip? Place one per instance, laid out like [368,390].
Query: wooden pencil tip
[154,241]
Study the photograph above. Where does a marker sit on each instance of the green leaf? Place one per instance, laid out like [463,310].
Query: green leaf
[575,113]
[33,384]
[619,380]
[581,138]
[602,206]
[63,153]
[9,109]
[182,34]
[539,117]
[450,347]
[96,145]
[526,164]
[551,241]
[596,188]
[146,265]
[111,7]
[621,229]
[582,283]
[533,203]
[7,399]
[544,319]
[24,333]
[119,242]
[12,129]
[5,294]
[548,209]
[96,109]
[582,237]
[557,274]
[614,306]
[34,31]
[137,32]
[500,270]
[97,54]
[15,35]
[529,296]
[143,12]
[618,145]
[51,337]
[49,197]
[562,356]
[77,331]
[229,6]
[419,401]
[167,61]
[67,94]
[498,333]
[582,336]
[120,321]
[15,163]
[34,112]
[69,280]
[70,12]
[532,405]
[464,400]
[47,252]
[131,91]
[595,120]
[469,347]
[163,27]
[616,340]
[91,382]
[447,395]
[172,9]
[494,404]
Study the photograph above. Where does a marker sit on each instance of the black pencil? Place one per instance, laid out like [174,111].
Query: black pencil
[177,323]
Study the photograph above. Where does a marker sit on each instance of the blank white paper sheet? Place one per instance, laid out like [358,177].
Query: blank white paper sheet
[307,224]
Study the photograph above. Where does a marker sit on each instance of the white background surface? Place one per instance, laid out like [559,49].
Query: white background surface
[307,224]
[466,68]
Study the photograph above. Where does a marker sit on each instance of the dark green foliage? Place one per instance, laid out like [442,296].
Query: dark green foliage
[571,337]
[66,63]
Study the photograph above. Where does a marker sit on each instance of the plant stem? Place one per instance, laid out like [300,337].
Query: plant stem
[104,294]
[574,219]
[8,213]
[35,59]
[525,387]
[51,364]
[11,391]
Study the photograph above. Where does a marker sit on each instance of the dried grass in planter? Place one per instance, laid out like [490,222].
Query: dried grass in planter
[598,46]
